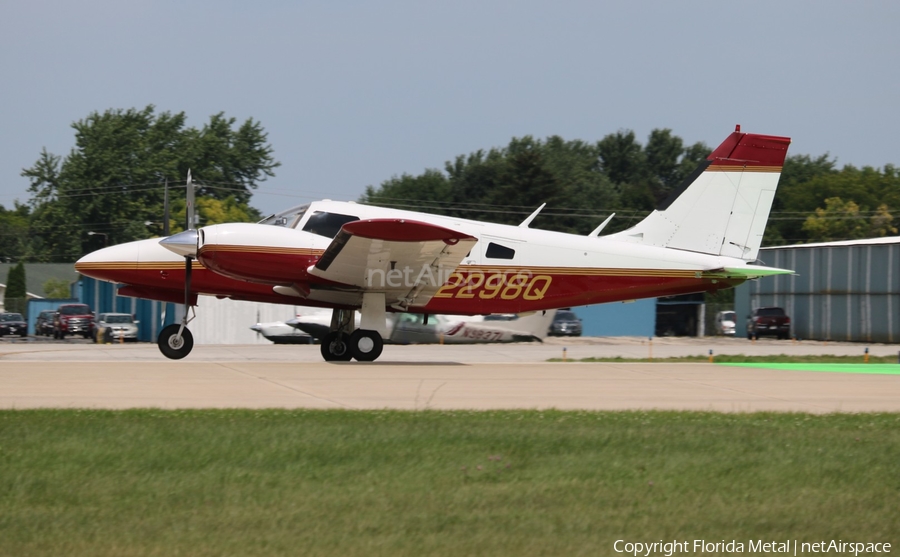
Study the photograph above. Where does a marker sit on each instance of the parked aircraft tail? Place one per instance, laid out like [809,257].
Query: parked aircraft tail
[723,206]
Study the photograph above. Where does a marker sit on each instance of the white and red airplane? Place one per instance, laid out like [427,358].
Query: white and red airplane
[347,256]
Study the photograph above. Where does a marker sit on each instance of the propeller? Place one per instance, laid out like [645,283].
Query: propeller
[166,209]
[175,340]
[189,221]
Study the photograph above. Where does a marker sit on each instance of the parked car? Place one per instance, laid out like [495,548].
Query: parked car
[725,322]
[120,326]
[43,325]
[768,321]
[13,324]
[73,319]
[565,323]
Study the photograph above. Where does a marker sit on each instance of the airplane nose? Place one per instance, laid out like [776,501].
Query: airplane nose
[183,243]
[108,263]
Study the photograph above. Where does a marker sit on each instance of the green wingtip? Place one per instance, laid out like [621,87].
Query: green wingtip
[753,271]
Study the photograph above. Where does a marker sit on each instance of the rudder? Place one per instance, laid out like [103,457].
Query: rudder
[723,206]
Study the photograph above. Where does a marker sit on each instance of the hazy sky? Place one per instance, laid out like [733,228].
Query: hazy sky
[352,93]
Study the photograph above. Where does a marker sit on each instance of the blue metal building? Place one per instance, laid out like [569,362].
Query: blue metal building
[840,290]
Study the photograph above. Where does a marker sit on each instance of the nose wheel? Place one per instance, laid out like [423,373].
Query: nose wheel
[175,342]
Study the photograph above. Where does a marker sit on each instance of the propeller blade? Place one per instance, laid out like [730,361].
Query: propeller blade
[189,211]
[189,238]
[166,209]
[187,283]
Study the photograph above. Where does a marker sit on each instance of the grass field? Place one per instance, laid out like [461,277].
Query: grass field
[277,482]
[744,359]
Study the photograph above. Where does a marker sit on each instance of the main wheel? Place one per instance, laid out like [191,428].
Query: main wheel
[336,347]
[171,345]
[366,345]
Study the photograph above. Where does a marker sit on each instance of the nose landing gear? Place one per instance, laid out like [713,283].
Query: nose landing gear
[175,345]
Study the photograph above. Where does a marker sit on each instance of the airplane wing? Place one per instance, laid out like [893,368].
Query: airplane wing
[407,260]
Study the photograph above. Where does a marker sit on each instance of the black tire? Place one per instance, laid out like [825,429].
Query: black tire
[336,347]
[366,345]
[171,346]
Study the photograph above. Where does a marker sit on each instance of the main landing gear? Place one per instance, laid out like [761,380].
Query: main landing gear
[365,344]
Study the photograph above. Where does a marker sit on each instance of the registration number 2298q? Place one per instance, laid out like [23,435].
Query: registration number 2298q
[506,286]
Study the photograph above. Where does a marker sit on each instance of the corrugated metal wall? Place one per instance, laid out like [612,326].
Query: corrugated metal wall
[839,292]
[37,305]
[102,298]
[217,321]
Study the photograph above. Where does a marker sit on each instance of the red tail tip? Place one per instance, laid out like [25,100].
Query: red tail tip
[737,127]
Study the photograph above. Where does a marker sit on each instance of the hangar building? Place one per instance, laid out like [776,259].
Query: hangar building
[841,291]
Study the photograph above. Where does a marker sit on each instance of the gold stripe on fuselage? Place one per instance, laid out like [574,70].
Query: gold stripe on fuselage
[580,271]
[134,265]
[262,249]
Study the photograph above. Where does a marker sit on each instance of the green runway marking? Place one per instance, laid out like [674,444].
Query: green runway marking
[880,369]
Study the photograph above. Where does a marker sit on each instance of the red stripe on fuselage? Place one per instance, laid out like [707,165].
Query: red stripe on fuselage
[258,266]
[569,291]
[539,290]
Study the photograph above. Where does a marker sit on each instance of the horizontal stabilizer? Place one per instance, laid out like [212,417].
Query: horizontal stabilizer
[746,272]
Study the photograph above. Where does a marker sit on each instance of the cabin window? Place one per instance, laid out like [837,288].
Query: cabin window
[288,219]
[496,251]
[327,224]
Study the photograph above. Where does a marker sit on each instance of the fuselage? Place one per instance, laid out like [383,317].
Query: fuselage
[509,269]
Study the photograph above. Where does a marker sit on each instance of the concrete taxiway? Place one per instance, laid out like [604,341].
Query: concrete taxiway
[437,377]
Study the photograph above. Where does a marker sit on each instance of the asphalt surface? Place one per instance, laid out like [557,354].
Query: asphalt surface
[76,374]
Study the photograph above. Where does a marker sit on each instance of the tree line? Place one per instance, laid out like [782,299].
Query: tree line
[582,183]
[109,189]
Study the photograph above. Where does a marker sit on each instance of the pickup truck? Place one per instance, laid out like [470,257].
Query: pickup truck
[768,321]
[73,319]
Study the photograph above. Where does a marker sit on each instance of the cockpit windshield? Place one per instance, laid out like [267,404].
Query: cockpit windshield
[327,224]
[288,219]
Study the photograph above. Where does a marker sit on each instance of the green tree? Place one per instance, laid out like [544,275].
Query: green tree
[807,183]
[112,181]
[841,220]
[56,288]
[15,241]
[506,184]
[15,298]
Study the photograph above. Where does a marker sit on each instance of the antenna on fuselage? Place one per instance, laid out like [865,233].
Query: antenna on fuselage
[527,221]
[596,231]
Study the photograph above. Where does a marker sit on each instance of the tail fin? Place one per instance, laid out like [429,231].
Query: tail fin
[723,206]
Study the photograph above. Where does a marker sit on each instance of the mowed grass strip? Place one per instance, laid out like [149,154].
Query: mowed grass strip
[744,359]
[278,482]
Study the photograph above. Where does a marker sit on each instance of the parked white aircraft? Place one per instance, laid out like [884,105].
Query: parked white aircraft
[280,332]
[349,257]
[412,328]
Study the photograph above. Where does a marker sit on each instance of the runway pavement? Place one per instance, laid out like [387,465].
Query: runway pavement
[64,375]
